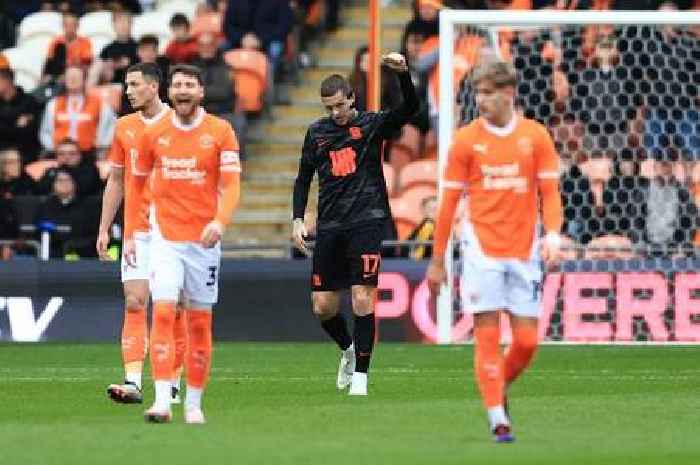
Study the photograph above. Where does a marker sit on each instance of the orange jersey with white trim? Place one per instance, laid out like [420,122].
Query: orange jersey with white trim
[186,162]
[500,169]
[123,154]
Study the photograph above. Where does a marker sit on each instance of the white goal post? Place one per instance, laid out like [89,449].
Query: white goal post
[488,23]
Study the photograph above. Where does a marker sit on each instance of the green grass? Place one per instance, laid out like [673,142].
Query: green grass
[277,404]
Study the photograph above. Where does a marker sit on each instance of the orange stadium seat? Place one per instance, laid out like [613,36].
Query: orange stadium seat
[419,172]
[37,169]
[389,178]
[415,195]
[110,94]
[406,216]
[406,148]
[249,76]
[609,247]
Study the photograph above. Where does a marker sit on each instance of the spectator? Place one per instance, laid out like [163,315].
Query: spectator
[259,25]
[19,118]
[147,52]
[13,180]
[9,225]
[74,221]
[118,55]
[183,47]
[81,168]
[219,96]
[68,49]
[622,197]
[669,216]
[578,204]
[424,231]
[391,91]
[83,118]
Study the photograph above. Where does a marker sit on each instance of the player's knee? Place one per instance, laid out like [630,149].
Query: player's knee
[362,302]
[322,307]
[134,300]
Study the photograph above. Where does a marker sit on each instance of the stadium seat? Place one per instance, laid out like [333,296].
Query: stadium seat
[37,168]
[419,172]
[42,23]
[406,148]
[389,178]
[406,217]
[609,247]
[249,77]
[26,66]
[208,22]
[415,195]
[186,7]
[96,23]
[155,23]
[110,94]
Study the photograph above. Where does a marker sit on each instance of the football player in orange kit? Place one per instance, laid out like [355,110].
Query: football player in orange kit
[508,167]
[142,84]
[193,162]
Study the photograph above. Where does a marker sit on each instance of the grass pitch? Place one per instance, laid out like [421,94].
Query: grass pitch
[277,404]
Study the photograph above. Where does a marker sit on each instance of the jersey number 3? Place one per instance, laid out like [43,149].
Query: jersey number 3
[343,161]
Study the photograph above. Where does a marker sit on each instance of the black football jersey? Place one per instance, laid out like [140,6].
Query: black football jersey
[348,162]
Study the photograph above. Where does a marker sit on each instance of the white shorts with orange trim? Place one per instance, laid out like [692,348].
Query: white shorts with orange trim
[141,271]
[185,266]
[489,283]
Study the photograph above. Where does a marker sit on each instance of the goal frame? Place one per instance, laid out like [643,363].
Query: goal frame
[513,18]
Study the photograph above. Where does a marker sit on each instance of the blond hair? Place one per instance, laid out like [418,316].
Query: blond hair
[500,73]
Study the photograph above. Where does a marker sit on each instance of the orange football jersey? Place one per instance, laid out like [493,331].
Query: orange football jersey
[186,162]
[500,169]
[123,154]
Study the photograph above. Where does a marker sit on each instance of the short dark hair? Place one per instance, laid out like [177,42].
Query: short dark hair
[68,141]
[150,71]
[334,83]
[187,70]
[7,73]
[179,19]
[149,39]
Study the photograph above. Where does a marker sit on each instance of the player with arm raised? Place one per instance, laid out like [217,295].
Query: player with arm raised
[508,167]
[344,149]
[193,161]
[142,84]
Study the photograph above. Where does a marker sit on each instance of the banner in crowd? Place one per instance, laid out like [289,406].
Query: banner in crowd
[269,300]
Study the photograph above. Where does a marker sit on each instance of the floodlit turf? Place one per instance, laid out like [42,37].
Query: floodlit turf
[277,404]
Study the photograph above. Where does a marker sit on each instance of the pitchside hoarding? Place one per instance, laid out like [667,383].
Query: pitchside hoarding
[268,300]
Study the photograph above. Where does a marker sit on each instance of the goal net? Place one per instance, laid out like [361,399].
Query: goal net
[618,92]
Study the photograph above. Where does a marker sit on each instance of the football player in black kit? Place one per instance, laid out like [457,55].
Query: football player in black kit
[345,149]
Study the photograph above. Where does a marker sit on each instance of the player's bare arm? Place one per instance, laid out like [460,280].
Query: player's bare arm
[111,200]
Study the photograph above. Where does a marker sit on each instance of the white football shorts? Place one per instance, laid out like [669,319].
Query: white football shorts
[489,283]
[185,266]
[142,240]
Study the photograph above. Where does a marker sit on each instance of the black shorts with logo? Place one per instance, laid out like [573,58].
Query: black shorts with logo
[347,257]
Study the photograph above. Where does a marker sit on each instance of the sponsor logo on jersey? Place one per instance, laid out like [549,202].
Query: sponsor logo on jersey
[480,148]
[206,141]
[503,177]
[182,168]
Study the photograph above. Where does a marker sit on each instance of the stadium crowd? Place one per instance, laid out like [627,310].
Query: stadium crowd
[55,130]
[626,156]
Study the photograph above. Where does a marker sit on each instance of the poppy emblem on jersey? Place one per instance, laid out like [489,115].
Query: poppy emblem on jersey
[355,132]
[525,146]
[206,141]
